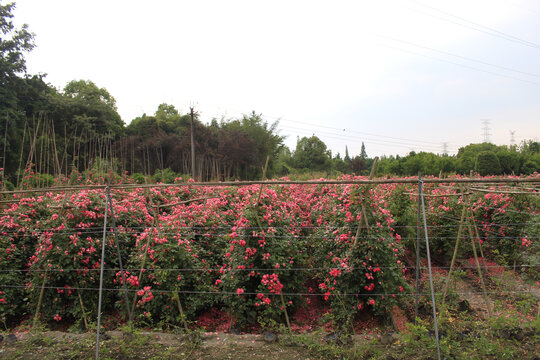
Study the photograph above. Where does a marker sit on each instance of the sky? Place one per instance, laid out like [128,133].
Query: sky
[398,75]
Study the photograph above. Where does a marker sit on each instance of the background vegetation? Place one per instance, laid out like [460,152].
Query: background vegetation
[76,129]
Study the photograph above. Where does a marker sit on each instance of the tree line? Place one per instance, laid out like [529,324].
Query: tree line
[75,130]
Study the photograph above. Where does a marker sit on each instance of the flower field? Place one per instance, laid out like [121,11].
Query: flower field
[254,255]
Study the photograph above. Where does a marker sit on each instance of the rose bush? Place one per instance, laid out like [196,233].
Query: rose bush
[227,249]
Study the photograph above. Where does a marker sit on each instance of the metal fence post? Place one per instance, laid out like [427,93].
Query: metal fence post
[108,188]
[421,192]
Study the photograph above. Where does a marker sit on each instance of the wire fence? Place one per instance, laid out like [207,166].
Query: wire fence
[134,244]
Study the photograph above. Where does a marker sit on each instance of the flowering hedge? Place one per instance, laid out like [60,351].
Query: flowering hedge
[247,251]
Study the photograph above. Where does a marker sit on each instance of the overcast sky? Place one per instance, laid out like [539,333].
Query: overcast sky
[399,75]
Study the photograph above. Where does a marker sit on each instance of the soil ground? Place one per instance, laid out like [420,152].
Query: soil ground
[474,339]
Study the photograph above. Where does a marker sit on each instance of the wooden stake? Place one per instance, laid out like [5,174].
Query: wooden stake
[364,213]
[82,310]
[260,226]
[181,310]
[455,253]
[21,155]
[145,247]
[478,266]
[38,307]
[285,311]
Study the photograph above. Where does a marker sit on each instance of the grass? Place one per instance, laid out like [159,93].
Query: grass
[514,332]
[462,337]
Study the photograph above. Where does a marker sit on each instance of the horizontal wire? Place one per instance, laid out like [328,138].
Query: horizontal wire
[288,238]
[512,211]
[280,269]
[161,291]
[34,232]
[281,182]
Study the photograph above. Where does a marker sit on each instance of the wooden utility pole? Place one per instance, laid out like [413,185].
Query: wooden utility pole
[192,147]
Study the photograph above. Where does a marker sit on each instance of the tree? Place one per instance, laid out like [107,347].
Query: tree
[311,154]
[169,119]
[13,44]
[363,153]
[447,163]
[266,142]
[509,160]
[85,100]
[467,155]
[347,158]
[487,163]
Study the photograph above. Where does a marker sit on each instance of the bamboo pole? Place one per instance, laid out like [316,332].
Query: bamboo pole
[181,310]
[21,155]
[82,310]
[33,142]
[471,235]
[40,299]
[364,213]
[257,218]
[454,256]
[115,230]
[145,247]
[479,244]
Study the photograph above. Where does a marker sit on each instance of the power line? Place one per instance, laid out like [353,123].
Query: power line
[459,56]
[462,65]
[431,146]
[332,128]
[474,26]
[369,141]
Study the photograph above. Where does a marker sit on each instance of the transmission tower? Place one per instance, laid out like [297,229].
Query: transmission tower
[487,130]
[512,137]
[445,148]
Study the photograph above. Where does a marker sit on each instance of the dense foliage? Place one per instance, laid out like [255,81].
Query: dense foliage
[78,128]
[248,251]
[485,159]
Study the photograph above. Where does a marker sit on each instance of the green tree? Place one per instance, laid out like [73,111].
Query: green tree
[284,163]
[447,164]
[347,158]
[530,157]
[14,84]
[169,120]
[487,163]
[266,142]
[466,156]
[311,154]
[363,154]
[85,100]
[14,43]
[509,160]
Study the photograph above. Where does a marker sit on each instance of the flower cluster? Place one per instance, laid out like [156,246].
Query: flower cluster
[244,250]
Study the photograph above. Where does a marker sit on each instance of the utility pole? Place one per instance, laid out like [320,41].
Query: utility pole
[192,146]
